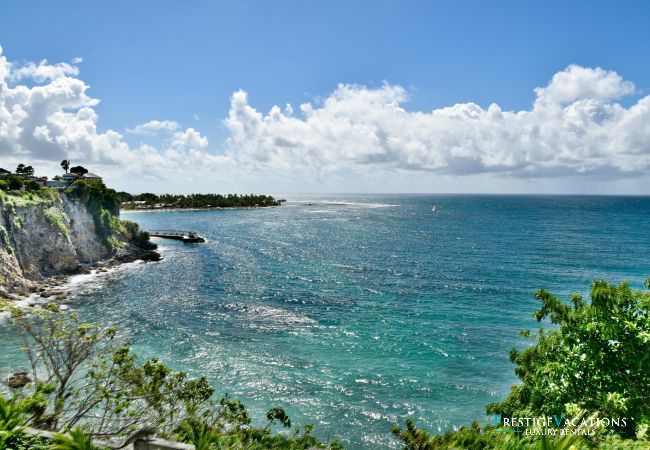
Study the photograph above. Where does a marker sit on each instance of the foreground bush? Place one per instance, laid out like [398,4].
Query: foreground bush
[594,364]
[87,384]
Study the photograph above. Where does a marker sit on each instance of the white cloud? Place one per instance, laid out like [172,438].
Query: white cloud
[154,127]
[575,127]
[578,83]
[51,117]
[189,139]
[43,71]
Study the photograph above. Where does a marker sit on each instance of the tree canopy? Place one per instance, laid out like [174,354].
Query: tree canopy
[593,363]
[65,165]
[597,359]
[171,201]
[25,171]
[85,380]
[78,170]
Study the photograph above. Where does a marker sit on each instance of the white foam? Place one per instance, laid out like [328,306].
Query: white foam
[351,204]
[70,287]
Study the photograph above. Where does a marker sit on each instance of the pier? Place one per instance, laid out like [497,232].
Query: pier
[188,237]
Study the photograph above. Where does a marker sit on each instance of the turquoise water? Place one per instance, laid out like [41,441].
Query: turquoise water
[356,312]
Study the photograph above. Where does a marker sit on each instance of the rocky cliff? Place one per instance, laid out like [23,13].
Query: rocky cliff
[47,233]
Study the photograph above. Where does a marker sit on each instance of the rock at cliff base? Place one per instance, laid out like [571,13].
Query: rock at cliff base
[18,380]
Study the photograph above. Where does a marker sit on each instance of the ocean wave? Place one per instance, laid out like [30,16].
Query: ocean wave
[351,204]
[269,313]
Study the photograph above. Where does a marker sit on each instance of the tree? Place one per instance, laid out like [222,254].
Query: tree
[65,165]
[78,170]
[83,376]
[32,185]
[15,182]
[25,171]
[125,197]
[598,359]
[89,385]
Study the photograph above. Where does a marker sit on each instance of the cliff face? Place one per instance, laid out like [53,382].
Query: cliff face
[54,233]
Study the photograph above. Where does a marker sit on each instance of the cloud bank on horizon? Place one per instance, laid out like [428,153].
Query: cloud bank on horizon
[577,126]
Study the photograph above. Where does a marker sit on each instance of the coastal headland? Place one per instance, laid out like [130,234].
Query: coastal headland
[47,234]
[51,229]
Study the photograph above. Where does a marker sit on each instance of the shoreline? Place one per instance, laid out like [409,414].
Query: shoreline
[57,288]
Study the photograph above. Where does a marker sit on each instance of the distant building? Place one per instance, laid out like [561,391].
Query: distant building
[4,172]
[58,184]
[67,179]
[91,176]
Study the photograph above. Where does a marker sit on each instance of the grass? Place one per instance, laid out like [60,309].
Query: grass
[58,220]
[21,199]
[4,239]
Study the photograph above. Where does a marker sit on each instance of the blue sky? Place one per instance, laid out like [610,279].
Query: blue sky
[182,61]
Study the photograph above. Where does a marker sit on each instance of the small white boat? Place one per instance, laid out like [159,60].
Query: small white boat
[433,209]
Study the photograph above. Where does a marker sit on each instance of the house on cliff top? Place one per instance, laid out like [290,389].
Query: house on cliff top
[67,179]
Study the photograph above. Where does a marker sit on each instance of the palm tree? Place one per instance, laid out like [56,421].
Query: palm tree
[65,164]
[11,420]
[200,435]
[75,439]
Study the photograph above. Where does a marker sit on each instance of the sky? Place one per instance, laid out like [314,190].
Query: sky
[336,96]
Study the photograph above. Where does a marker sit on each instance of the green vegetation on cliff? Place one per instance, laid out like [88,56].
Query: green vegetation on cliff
[4,240]
[19,199]
[57,220]
[103,204]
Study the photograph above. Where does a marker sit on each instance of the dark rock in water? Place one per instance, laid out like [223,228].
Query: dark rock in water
[138,254]
[148,245]
[18,380]
[83,269]
[151,255]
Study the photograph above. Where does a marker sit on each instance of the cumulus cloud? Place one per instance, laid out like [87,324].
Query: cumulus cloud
[189,139]
[46,115]
[575,126]
[43,71]
[154,127]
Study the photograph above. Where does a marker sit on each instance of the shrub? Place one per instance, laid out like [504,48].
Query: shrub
[15,182]
[32,185]
[4,239]
[596,363]
[592,361]
[85,374]
[58,220]
[75,439]
[12,419]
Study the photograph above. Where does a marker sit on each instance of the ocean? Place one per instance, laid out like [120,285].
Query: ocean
[355,312]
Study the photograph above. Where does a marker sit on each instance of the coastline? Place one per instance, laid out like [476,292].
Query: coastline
[57,287]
